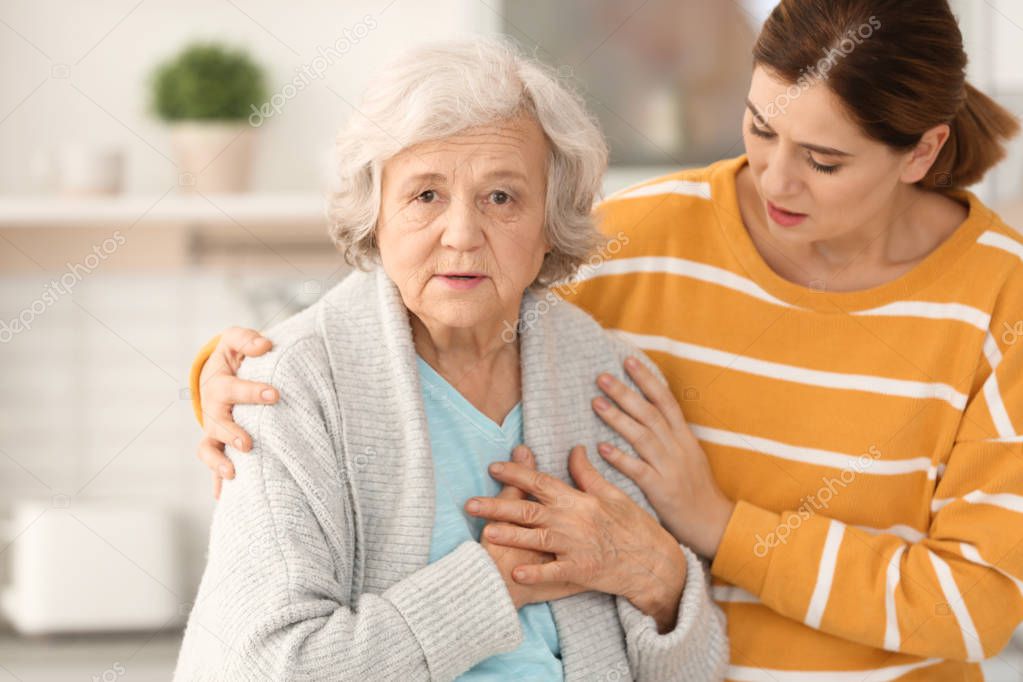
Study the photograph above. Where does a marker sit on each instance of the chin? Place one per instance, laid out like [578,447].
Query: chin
[460,314]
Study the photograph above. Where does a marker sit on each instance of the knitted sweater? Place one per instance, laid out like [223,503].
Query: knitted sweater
[318,558]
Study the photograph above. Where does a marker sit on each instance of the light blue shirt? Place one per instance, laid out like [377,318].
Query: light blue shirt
[464,442]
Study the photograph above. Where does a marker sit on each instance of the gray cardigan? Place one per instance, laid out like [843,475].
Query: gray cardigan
[317,565]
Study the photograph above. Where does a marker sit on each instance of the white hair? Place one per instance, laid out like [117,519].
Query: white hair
[440,90]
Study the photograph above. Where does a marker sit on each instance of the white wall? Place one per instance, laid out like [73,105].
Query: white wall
[107,50]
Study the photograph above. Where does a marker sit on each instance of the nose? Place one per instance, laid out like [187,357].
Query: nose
[780,177]
[463,229]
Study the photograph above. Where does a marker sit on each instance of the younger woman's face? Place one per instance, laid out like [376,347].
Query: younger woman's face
[818,176]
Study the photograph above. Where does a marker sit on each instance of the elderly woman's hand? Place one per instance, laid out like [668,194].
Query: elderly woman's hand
[600,538]
[672,469]
[508,558]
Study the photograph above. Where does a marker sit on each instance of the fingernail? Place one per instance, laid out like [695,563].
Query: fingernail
[519,574]
[497,467]
[472,506]
[602,404]
[519,455]
[631,362]
[604,380]
[267,394]
[493,533]
[237,443]
[604,448]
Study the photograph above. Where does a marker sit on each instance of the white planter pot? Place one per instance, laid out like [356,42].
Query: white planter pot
[213,156]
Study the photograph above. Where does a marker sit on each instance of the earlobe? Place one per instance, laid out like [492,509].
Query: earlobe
[925,153]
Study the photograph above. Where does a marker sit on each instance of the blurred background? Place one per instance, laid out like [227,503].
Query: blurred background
[144,206]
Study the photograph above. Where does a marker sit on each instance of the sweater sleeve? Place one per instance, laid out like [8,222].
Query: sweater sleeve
[956,591]
[193,376]
[275,602]
[696,649]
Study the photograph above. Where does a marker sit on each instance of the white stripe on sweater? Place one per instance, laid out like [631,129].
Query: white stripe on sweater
[1000,241]
[713,274]
[825,574]
[974,317]
[892,636]
[971,640]
[683,268]
[907,533]
[972,554]
[814,456]
[1007,501]
[999,415]
[748,674]
[731,593]
[992,352]
[801,375]
[681,187]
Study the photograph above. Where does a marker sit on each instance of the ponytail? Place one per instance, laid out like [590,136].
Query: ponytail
[976,143]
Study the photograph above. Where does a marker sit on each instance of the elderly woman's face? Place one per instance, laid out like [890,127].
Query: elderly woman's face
[461,228]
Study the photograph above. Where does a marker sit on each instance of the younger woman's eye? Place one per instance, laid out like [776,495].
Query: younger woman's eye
[760,132]
[820,167]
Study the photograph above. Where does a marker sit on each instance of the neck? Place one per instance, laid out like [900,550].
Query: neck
[456,352]
[876,242]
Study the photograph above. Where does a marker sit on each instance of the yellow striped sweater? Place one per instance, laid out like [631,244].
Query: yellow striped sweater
[871,439]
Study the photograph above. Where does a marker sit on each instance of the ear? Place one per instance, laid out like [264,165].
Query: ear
[919,160]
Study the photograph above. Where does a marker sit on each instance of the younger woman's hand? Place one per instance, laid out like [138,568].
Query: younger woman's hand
[672,469]
[220,390]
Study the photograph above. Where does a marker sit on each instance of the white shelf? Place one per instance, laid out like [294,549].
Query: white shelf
[247,209]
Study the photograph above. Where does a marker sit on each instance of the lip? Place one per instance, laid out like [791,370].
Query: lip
[461,281]
[783,217]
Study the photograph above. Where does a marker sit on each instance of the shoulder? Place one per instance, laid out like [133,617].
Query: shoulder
[997,262]
[659,203]
[301,343]
[1005,240]
[578,335]
[299,348]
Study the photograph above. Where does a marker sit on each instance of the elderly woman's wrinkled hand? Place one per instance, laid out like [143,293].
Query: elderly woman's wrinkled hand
[599,537]
[508,558]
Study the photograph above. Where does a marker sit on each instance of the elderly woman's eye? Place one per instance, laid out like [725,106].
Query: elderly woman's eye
[427,197]
[500,198]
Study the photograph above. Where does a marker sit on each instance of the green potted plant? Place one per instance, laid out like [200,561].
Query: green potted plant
[206,94]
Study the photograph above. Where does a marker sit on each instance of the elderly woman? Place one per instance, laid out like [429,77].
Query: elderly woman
[343,548]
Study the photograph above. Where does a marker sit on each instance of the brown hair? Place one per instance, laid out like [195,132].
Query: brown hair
[900,69]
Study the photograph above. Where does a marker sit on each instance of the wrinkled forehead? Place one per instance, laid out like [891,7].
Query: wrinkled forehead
[510,147]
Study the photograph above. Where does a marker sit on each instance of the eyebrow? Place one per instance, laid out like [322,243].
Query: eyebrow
[430,178]
[828,151]
[420,178]
[503,174]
